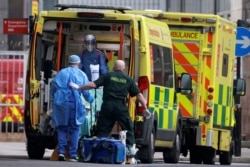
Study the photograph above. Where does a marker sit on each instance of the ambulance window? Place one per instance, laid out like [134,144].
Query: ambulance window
[162,65]
[225,65]
[39,56]
[43,58]
[99,28]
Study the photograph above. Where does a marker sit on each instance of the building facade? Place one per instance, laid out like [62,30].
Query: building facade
[13,9]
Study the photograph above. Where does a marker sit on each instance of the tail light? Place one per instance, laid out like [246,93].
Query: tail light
[90,15]
[210,90]
[210,97]
[143,84]
[209,111]
[186,19]
[139,132]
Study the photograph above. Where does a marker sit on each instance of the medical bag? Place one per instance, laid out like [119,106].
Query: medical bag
[101,150]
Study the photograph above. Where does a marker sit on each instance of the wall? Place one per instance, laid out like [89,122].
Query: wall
[245,105]
[236,10]
[135,4]
[3,14]
[13,9]
[194,6]
[15,41]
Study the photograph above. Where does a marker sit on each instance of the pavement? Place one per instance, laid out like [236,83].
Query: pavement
[19,149]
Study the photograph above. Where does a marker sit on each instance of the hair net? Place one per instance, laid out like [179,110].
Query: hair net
[74,59]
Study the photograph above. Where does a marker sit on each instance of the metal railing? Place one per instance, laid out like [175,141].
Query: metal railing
[13,67]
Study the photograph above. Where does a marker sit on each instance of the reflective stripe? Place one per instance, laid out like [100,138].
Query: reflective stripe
[223,107]
[9,111]
[161,100]
[186,57]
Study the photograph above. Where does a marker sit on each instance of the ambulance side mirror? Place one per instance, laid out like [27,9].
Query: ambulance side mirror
[240,87]
[185,84]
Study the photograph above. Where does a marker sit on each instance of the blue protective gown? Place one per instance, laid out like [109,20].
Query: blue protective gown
[62,93]
[68,110]
[94,57]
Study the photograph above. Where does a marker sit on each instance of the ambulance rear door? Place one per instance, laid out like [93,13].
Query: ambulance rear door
[187,48]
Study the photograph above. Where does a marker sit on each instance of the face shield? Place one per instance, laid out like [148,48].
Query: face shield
[90,42]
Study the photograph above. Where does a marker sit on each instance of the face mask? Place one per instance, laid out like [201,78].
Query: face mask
[90,47]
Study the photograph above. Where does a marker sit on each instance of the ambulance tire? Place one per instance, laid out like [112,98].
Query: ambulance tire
[34,150]
[173,155]
[209,156]
[226,157]
[195,155]
[146,153]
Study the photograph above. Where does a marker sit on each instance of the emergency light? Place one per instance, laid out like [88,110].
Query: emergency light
[90,15]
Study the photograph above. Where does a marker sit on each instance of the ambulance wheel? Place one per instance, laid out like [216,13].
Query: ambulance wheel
[34,150]
[146,153]
[195,156]
[209,156]
[226,157]
[172,155]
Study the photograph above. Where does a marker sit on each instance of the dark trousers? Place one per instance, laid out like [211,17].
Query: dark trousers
[112,111]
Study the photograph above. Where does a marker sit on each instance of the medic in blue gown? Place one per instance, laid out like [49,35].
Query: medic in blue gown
[68,110]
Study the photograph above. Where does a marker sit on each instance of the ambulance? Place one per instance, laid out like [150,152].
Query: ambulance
[204,47]
[143,43]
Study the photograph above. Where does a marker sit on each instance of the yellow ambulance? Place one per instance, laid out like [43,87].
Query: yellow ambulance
[143,43]
[204,47]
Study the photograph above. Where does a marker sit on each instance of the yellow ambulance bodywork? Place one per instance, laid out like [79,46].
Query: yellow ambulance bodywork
[160,86]
[205,49]
[204,46]
[161,97]
[207,53]
[143,43]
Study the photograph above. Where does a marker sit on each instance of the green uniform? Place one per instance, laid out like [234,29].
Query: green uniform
[117,85]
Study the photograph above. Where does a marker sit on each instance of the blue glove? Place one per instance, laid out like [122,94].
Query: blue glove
[91,99]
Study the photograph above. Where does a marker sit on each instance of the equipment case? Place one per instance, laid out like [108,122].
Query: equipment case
[102,150]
